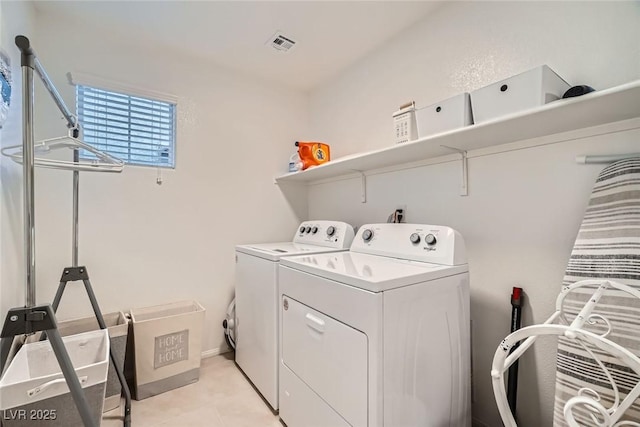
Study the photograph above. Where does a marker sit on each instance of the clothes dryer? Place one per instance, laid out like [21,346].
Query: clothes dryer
[378,336]
[256,322]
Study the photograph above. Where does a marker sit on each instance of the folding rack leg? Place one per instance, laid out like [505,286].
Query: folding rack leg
[72,274]
[5,348]
[23,320]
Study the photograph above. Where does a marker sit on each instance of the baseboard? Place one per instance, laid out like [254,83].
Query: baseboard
[215,352]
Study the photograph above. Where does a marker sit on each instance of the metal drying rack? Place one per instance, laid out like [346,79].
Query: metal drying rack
[34,318]
[558,325]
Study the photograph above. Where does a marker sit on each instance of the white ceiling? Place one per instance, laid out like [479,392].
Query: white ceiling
[329,35]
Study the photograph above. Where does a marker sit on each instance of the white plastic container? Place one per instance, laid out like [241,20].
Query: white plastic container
[521,92]
[404,123]
[167,346]
[294,163]
[33,390]
[452,113]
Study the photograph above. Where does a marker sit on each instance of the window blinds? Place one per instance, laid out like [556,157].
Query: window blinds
[140,131]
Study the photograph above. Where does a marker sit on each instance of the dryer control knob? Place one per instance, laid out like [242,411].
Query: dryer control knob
[430,239]
[307,230]
[314,230]
[367,235]
[331,231]
[302,229]
[415,238]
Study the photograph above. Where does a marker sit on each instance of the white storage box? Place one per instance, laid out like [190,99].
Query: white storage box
[167,346]
[450,114]
[521,92]
[33,391]
[404,122]
[117,325]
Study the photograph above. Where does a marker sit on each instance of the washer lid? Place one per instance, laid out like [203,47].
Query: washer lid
[370,272]
[275,251]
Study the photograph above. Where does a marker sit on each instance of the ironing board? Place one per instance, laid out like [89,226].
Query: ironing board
[607,247]
[597,317]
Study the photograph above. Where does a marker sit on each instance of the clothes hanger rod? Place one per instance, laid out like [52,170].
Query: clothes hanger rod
[76,207]
[28,190]
[605,159]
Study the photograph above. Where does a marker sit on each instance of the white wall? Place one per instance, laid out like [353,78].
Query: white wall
[16,18]
[145,244]
[525,204]
[463,46]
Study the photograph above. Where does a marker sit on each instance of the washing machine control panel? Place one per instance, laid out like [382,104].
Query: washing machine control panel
[333,234]
[418,242]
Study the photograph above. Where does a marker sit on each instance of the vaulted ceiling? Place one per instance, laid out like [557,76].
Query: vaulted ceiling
[329,35]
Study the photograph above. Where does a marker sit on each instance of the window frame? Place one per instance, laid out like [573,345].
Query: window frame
[94,82]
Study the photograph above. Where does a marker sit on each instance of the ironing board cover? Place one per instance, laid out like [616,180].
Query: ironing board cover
[607,247]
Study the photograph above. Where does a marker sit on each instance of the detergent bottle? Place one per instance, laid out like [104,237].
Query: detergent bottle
[294,163]
[313,153]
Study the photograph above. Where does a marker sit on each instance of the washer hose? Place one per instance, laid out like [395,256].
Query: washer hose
[229,324]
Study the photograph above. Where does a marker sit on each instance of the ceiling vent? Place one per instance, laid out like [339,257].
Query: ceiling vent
[280,42]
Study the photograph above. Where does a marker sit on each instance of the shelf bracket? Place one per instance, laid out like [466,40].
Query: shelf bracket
[363,186]
[464,187]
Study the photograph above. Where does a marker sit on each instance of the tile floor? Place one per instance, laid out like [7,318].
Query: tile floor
[223,397]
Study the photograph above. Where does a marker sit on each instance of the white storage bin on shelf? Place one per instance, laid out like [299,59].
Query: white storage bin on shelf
[167,346]
[521,92]
[33,391]
[452,113]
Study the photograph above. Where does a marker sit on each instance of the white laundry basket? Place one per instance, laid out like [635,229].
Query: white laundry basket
[167,346]
[33,392]
[117,325]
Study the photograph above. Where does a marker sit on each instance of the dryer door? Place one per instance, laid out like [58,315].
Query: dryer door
[327,355]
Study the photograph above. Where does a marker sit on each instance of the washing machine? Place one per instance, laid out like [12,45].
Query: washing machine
[377,336]
[256,325]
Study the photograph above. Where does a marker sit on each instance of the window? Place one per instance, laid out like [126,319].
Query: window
[138,130]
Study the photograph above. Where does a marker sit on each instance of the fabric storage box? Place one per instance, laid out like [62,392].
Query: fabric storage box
[450,114]
[117,325]
[167,346]
[34,393]
[518,93]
